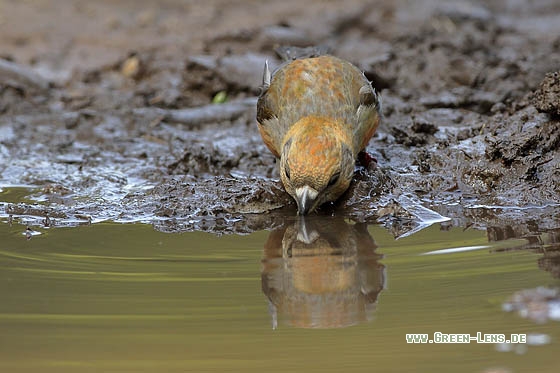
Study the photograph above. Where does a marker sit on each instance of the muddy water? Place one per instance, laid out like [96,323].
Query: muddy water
[319,295]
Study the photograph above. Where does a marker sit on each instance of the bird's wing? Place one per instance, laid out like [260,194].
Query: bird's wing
[368,115]
[267,117]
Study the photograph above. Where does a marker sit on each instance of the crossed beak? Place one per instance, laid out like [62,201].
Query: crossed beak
[305,198]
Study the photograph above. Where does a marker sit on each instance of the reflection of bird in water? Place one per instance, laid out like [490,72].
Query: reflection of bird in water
[321,273]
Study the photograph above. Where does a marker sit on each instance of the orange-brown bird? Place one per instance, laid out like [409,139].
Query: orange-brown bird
[316,113]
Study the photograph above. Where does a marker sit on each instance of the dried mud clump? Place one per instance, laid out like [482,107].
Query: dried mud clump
[547,97]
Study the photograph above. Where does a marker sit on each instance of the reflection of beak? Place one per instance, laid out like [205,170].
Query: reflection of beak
[305,198]
[304,234]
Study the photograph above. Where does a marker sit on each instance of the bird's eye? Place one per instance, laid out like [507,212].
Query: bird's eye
[287,171]
[334,179]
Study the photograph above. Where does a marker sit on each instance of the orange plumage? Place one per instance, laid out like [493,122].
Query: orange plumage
[316,114]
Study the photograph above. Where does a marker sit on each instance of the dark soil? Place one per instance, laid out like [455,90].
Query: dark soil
[112,116]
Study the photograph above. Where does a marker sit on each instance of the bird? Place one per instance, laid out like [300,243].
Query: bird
[316,113]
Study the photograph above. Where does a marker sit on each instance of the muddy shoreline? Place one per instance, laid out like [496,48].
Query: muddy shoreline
[137,123]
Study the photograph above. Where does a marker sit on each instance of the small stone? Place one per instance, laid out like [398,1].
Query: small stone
[131,67]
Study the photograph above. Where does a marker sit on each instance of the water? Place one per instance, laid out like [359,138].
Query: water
[123,297]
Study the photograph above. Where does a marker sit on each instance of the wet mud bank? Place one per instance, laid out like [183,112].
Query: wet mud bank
[158,128]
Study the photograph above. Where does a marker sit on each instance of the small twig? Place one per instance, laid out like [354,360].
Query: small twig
[202,114]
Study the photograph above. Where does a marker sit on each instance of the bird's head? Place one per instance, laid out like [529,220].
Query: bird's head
[316,162]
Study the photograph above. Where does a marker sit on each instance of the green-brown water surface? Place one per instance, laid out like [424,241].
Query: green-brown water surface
[124,297]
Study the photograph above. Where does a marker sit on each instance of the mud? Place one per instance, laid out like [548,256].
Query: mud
[130,125]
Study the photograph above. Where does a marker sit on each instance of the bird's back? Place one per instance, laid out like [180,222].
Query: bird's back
[322,86]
